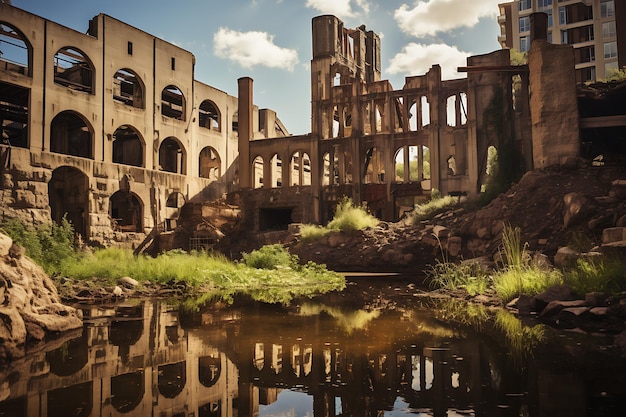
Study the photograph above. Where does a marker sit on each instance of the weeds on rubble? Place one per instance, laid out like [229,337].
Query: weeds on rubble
[602,274]
[517,274]
[348,217]
[434,206]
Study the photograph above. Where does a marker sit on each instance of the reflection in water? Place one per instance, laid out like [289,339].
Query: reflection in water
[312,360]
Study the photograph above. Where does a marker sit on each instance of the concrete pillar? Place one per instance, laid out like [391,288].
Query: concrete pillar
[539,26]
[244,108]
[553,103]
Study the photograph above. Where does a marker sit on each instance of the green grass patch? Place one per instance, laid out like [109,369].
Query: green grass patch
[601,274]
[270,274]
[434,206]
[468,276]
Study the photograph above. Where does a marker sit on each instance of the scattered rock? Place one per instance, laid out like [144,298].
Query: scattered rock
[127,282]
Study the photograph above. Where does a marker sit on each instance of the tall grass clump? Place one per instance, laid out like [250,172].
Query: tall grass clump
[601,274]
[47,245]
[311,232]
[468,276]
[520,274]
[350,217]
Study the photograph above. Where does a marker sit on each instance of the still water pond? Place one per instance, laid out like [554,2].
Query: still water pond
[314,358]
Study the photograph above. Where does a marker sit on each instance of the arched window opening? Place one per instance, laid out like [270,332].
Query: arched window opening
[347,124]
[128,88]
[210,164]
[409,164]
[172,379]
[73,69]
[209,116]
[175,200]
[173,103]
[335,122]
[451,111]
[374,169]
[68,193]
[491,167]
[326,171]
[126,211]
[171,156]
[276,165]
[209,370]
[300,169]
[367,120]
[257,172]
[425,107]
[127,146]
[127,391]
[15,51]
[14,102]
[71,135]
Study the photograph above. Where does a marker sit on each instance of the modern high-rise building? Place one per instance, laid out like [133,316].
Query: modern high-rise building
[595,28]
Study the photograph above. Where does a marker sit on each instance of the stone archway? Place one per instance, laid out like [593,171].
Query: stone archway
[68,195]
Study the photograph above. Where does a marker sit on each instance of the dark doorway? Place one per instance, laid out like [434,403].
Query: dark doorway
[68,193]
[275,218]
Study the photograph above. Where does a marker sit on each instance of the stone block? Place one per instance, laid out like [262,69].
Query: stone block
[613,234]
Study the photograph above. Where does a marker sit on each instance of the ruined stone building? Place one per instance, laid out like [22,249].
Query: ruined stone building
[595,28]
[391,147]
[110,128]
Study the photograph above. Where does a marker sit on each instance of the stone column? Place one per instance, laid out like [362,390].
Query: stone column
[244,108]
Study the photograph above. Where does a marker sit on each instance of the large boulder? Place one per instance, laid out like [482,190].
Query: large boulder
[31,310]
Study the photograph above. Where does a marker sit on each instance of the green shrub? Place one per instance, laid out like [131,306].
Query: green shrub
[270,257]
[48,245]
[349,217]
[468,276]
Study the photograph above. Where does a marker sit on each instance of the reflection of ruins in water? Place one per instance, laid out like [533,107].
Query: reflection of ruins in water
[142,360]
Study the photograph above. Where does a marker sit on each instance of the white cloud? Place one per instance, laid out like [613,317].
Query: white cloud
[339,8]
[428,17]
[416,59]
[250,49]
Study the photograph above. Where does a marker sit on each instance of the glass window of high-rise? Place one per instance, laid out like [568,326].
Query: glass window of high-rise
[524,24]
[607,8]
[610,50]
[524,5]
[524,43]
[543,4]
[608,29]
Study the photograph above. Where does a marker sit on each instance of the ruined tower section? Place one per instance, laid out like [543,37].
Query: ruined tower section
[343,61]
[553,100]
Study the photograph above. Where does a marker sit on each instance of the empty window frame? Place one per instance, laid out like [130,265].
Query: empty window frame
[15,51]
[73,69]
[128,146]
[524,4]
[607,8]
[608,29]
[71,135]
[172,156]
[128,88]
[14,115]
[173,103]
[610,50]
[209,116]
[210,164]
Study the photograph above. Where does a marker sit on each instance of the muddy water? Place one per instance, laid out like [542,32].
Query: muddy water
[314,358]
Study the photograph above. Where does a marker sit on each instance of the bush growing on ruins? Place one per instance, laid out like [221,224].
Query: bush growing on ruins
[47,245]
[602,274]
[350,217]
[434,206]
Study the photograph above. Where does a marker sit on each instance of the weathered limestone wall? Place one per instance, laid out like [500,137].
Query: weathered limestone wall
[553,103]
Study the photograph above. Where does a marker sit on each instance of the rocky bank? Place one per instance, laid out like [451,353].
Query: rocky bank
[31,311]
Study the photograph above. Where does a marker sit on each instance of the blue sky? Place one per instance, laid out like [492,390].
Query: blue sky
[270,40]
